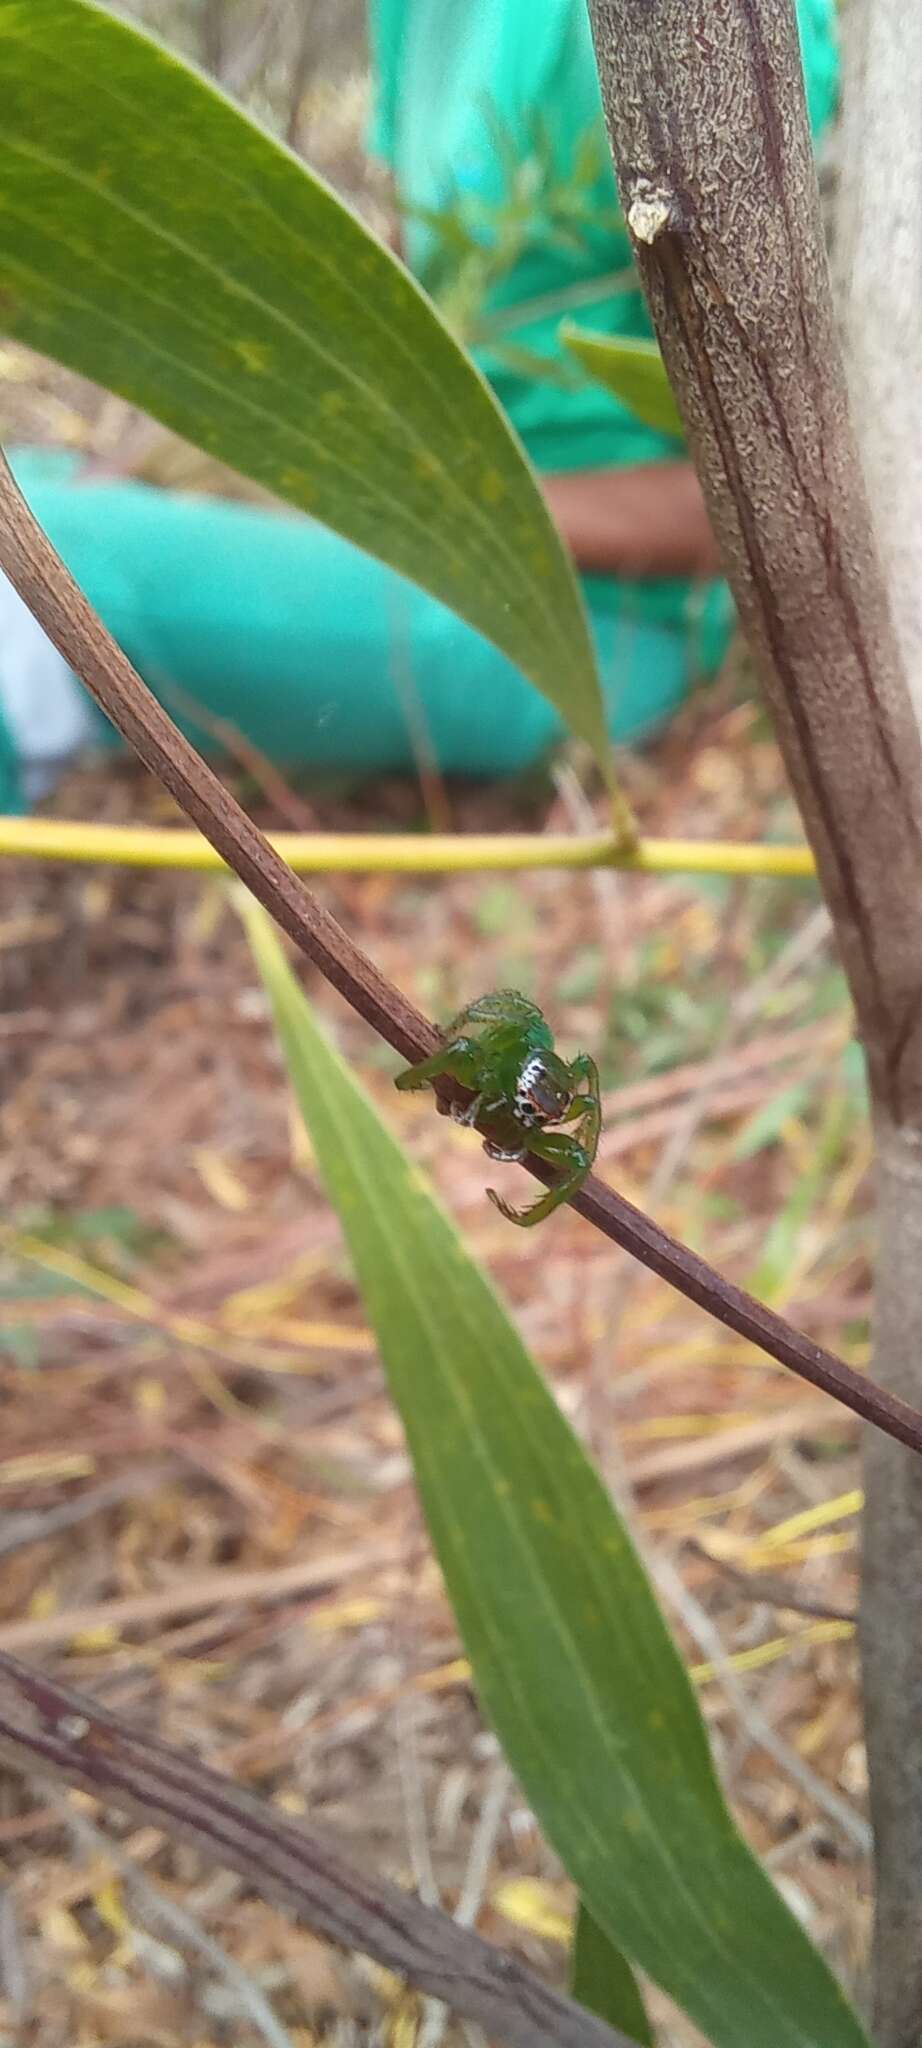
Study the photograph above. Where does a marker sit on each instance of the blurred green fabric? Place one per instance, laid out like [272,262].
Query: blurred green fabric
[319,656]
[455,81]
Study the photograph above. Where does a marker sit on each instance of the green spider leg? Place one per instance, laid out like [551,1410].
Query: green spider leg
[588,1106]
[562,1150]
[502,1006]
[573,1152]
[460,1058]
[459,1055]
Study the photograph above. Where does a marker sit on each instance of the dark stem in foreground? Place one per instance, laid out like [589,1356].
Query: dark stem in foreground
[32,565]
[705,107]
[45,1728]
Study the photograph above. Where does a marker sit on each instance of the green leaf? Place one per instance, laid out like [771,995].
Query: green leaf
[786,1234]
[765,1126]
[573,1662]
[541,369]
[22,1343]
[634,370]
[602,1979]
[154,239]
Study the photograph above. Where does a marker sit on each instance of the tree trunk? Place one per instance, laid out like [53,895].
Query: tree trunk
[212,36]
[891,1607]
[706,113]
[880,268]
[879,276]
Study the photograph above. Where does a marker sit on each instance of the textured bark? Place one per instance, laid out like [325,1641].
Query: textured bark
[891,1609]
[713,154]
[44,1728]
[879,260]
[879,277]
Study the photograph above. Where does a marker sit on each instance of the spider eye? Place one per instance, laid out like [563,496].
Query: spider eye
[540,1094]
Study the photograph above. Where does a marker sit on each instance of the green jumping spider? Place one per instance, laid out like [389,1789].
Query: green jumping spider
[501,1047]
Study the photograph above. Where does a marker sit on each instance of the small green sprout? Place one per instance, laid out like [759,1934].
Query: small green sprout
[502,1048]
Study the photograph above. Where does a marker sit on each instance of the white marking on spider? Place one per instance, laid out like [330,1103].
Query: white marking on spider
[526,1108]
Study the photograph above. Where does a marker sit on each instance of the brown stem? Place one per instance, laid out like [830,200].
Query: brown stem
[760,1586]
[32,565]
[45,1728]
[212,36]
[879,264]
[707,119]
[891,1611]
[738,1311]
[57,602]
[706,114]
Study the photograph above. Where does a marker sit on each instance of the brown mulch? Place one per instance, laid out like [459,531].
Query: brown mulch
[207,1511]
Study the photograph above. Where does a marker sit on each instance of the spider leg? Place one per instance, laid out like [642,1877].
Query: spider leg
[479,1106]
[459,1058]
[503,1006]
[587,1107]
[467,1113]
[562,1150]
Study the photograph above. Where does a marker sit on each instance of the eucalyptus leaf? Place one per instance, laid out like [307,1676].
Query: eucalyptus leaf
[602,1979]
[631,368]
[573,1662]
[154,239]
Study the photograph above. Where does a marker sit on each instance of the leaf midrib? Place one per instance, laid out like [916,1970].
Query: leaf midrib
[343,1133]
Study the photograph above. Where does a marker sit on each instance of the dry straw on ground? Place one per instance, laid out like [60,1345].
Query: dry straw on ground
[207,1510]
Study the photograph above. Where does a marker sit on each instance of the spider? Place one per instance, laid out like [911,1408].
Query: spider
[502,1047]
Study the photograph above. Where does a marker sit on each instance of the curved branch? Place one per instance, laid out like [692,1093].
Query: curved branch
[33,566]
[45,1728]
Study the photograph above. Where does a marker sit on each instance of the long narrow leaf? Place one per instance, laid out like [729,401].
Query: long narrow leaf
[602,1979]
[634,370]
[154,239]
[573,1662]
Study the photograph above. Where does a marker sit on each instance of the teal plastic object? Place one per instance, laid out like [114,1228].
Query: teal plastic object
[11,790]
[271,627]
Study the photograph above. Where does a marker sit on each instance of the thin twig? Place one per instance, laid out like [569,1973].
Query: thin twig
[414,1801]
[489,1822]
[47,1729]
[243,65]
[47,587]
[191,1594]
[303,63]
[432,2030]
[751,1003]
[14,1975]
[181,1926]
[758,1730]
[37,1525]
[773,1592]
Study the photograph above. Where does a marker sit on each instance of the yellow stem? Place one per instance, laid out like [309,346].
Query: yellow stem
[399,852]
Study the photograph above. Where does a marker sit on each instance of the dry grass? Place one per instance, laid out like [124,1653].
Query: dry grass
[208,1515]
[206,1510]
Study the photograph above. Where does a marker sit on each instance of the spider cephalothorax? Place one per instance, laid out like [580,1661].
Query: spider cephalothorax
[542,1092]
[502,1048]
